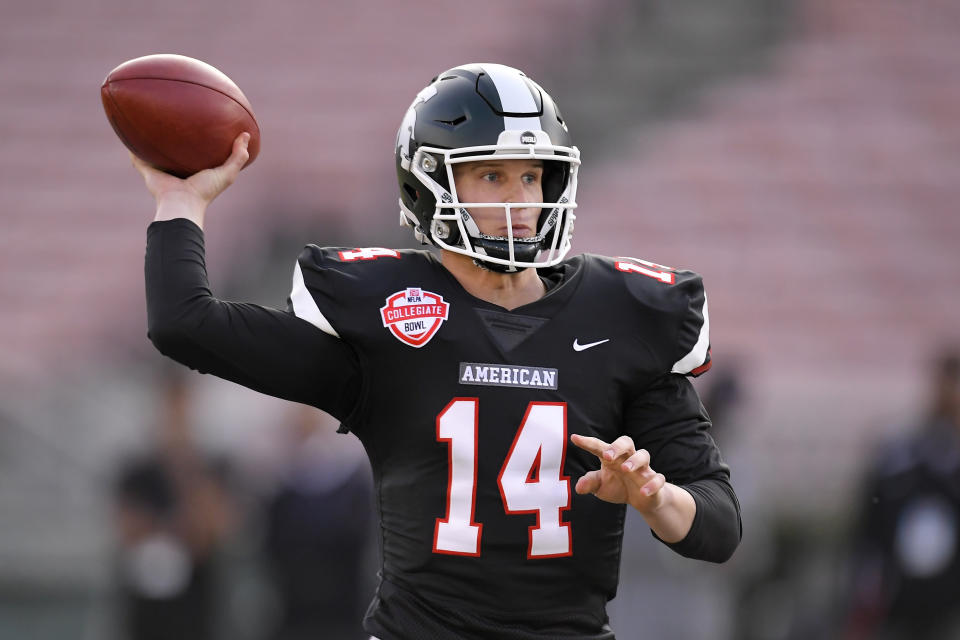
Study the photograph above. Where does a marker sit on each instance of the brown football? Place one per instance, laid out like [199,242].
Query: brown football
[178,114]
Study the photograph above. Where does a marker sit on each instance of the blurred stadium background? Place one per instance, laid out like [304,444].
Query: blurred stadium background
[803,155]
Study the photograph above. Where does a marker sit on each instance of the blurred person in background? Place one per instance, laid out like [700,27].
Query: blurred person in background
[465,376]
[906,576]
[173,512]
[725,396]
[318,528]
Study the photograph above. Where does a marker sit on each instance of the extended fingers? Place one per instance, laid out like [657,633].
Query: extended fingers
[620,449]
[596,446]
[638,461]
[654,485]
[606,452]
[588,482]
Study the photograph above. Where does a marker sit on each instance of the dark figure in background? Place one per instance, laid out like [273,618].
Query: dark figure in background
[172,513]
[723,397]
[318,532]
[906,580]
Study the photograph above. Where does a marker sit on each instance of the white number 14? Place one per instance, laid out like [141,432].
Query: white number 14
[529,481]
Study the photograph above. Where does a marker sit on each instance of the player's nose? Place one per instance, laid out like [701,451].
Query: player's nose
[515,191]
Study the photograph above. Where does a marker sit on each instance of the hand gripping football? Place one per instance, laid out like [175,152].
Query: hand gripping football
[176,113]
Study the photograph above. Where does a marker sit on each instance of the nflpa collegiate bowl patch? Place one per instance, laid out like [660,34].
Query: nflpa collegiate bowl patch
[414,315]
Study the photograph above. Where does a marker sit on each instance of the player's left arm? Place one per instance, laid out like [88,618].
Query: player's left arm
[670,423]
[626,477]
[666,465]
[678,480]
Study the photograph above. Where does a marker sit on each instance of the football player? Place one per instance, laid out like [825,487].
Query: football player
[466,372]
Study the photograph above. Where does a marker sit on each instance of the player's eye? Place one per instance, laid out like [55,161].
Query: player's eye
[490,177]
[531,178]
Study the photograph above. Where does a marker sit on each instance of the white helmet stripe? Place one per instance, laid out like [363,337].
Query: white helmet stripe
[515,97]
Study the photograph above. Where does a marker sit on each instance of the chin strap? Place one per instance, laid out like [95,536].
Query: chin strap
[524,250]
[497,268]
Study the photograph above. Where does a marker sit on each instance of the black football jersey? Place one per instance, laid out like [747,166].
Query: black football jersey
[465,410]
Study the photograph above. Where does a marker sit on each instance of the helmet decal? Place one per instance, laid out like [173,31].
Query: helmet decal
[405,133]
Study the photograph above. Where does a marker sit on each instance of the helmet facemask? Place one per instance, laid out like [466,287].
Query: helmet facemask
[453,228]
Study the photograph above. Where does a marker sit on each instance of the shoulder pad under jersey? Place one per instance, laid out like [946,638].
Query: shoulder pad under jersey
[327,281]
[677,298]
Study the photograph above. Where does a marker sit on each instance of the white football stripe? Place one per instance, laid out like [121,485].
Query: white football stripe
[305,307]
[515,96]
[698,354]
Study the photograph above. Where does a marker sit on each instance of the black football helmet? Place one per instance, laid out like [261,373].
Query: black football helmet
[468,113]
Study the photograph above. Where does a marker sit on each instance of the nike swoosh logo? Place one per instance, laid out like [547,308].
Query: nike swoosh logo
[580,347]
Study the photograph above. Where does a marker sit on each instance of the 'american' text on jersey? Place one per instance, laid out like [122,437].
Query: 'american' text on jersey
[508,376]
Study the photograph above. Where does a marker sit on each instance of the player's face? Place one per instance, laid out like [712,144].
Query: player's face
[501,181]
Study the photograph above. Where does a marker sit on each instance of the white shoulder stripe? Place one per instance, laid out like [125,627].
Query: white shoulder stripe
[305,307]
[515,96]
[698,354]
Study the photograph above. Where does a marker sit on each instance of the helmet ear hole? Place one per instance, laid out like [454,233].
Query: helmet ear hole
[554,180]
[411,192]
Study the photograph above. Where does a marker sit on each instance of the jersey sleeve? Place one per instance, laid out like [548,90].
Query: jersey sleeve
[669,421]
[665,415]
[301,301]
[267,350]
[693,331]
[322,288]
[673,306]
[331,285]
